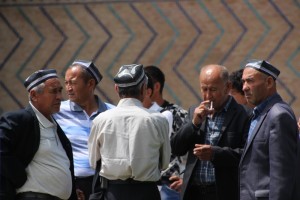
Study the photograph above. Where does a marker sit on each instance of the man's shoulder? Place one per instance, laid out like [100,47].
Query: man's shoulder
[109,105]
[18,117]
[174,108]
[64,105]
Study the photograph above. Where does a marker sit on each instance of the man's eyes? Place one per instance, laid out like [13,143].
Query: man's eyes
[55,91]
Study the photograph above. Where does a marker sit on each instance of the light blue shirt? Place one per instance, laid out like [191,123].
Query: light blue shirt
[257,114]
[76,124]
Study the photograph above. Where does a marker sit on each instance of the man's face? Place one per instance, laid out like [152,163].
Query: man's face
[213,88]
[254,85]
[48,101]
[77,89]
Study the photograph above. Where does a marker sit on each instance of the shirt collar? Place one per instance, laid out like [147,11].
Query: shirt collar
[101,106]
[260,108]
[227,103]
[130,102]
[41,118]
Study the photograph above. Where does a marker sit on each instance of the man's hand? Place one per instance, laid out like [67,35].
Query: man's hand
[201,112]
[80,194]
[203,151]
[176,183]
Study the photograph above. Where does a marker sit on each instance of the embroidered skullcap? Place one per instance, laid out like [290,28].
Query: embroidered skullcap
[39,77]
[90,68]
[264,67]
[130,75]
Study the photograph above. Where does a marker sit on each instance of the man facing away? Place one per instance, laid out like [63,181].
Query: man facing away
[76,115]
[131,141]
[269,166]
[36,156]
[213,134]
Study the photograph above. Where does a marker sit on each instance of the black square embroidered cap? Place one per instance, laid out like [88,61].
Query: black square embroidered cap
[39,77]
[90,68]
[130,75]
[264,67]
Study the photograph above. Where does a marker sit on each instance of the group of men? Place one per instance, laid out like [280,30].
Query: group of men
[50,149]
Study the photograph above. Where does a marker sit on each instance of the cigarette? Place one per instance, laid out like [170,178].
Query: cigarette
[211,105]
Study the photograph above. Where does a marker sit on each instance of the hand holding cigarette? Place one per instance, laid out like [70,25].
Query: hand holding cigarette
[204,109]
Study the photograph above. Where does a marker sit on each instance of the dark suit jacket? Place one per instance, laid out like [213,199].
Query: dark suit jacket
[226,154]
[269,167]
[19,141]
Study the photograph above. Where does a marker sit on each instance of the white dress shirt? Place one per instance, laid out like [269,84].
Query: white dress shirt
[132,142]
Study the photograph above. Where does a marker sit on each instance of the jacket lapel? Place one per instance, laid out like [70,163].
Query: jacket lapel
[263,115]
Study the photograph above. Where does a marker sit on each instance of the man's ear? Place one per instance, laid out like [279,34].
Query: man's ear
[156,87]
[227,87]
[92,83]
[33,95]
[270,81]
[116,88]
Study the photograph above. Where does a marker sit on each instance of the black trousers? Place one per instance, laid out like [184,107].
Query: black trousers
[197,192]
[35,196]
[132,191]
[84,184]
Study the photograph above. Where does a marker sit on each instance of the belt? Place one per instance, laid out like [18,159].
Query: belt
[36,195]
[84,177]
[129,181]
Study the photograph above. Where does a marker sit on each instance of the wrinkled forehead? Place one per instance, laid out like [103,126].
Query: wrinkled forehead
[53,83]
[251,72]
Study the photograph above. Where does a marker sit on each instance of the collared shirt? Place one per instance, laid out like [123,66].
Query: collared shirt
[76,124]
[132,142]
[49,171]
[256,114]
[205,171]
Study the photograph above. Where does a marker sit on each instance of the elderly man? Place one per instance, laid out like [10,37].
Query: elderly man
[36,156]
[213,135]
[132,141]
[269,167]
[76,115]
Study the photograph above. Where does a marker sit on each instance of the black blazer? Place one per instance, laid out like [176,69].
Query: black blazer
[19,141]
[226,154]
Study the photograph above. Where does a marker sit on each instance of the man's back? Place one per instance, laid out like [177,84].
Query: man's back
[131,140]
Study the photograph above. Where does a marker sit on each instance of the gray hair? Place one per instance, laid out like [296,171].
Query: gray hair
[38,89]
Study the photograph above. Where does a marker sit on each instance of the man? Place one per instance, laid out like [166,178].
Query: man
[158,79]
[76,115]
[179,115]
[269,167]
[236,90]
[213,135]
[152,105]
[131,141]
[36,156]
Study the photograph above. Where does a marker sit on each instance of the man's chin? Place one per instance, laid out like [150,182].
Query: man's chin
[71,97]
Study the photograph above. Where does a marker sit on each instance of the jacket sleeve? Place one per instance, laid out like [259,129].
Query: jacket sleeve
[12,170]
[283,144]
[185,137]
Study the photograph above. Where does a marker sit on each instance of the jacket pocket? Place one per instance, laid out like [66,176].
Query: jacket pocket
[260,194]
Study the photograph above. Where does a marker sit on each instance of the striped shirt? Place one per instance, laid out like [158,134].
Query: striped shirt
[76,124]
